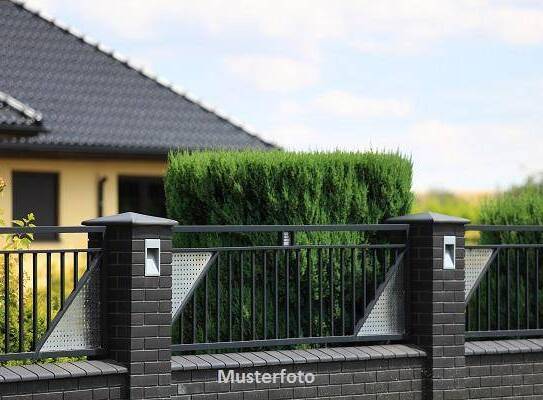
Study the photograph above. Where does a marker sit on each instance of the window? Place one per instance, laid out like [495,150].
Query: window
[36,193]
[143,195]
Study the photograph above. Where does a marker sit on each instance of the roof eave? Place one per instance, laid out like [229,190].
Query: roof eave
[26,130]
[96,151]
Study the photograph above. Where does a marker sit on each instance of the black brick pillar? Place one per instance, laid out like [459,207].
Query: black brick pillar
[138,307]
[436,312]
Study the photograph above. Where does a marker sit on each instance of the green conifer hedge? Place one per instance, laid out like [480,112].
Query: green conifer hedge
[252,187]
[520,205]
[271,188]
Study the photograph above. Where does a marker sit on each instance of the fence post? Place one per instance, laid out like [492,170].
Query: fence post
[138,304]
[436,310]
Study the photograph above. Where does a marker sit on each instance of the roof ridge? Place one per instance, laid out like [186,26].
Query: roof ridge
[143,71]
[18,105]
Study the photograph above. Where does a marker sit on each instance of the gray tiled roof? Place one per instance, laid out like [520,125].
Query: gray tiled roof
[92,100]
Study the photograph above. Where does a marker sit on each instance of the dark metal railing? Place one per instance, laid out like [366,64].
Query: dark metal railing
[279,295]
[290,228]
[507,298]
[34,286]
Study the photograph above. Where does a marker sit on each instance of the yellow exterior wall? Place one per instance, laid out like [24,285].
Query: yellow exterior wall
[78,188]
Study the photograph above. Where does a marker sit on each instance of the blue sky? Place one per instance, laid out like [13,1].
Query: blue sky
[455,84]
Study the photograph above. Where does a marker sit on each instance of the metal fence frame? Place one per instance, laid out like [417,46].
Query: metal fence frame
[291,230]
[37,342]
[497,249]
[400,230]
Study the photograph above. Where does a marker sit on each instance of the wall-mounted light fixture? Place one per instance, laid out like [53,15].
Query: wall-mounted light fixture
[152,257]
[449,251]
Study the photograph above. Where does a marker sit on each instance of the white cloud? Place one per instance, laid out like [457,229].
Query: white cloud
[344,104]
[290,108]
[445,155]
[275,74]
[495,154]
[294,136]
[454,155]
[368,25]
[469,156]
[515,25]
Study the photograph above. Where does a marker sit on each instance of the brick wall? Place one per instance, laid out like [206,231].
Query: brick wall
[436,309]
[82,380]
[508,369]
[369,372]
[505,369]
[138,310]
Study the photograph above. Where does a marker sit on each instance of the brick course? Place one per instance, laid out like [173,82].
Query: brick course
[371,379]
[505,369]
[138,310]
[436,309]
[66,381]
[508,369]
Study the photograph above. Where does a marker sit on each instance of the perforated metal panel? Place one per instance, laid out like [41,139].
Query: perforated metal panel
[186,268]
[79,327]
[475,261]
[388,314]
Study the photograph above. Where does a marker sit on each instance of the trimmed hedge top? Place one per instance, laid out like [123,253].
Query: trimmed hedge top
[521,205]
[251,187]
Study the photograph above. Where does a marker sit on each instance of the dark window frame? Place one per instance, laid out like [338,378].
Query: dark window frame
[145,181]
[54,213]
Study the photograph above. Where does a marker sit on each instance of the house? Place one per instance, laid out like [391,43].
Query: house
[83,132]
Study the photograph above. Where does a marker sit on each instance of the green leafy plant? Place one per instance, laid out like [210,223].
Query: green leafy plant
[22,283]
[520,205]
[251,187]
[514,273]
[14,242]
[16,283]
[280,188]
